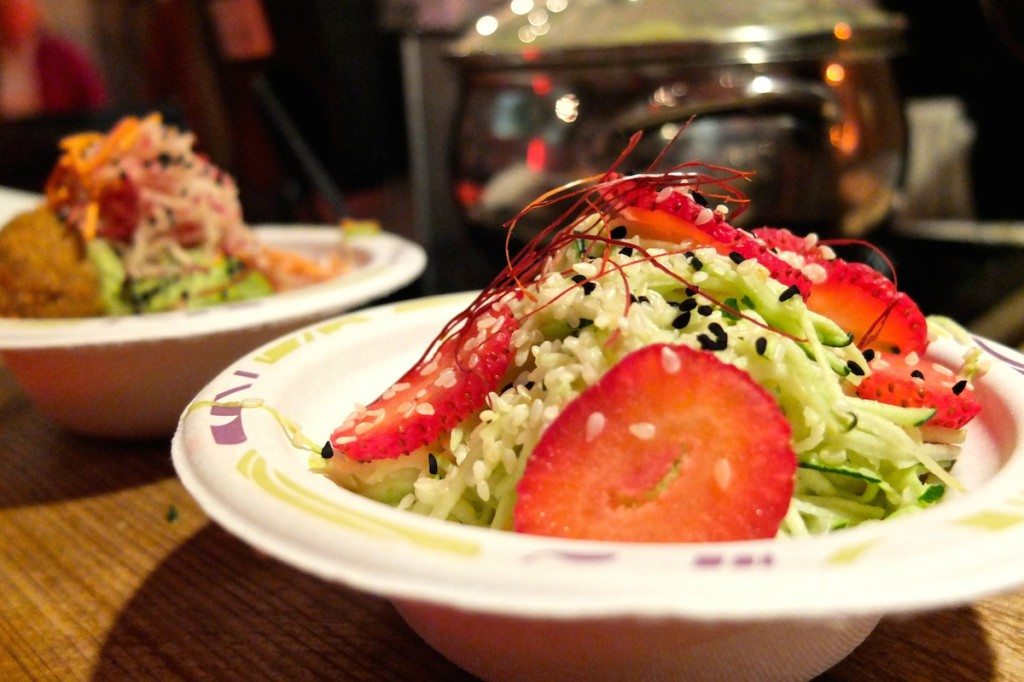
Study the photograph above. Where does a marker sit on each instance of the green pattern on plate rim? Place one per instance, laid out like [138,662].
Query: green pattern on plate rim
[255,468]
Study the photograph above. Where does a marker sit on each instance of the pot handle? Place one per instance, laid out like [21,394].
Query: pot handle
[813,101]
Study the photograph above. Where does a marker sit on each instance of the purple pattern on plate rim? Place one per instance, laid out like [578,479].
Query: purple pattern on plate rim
[230,432]
[1012,362]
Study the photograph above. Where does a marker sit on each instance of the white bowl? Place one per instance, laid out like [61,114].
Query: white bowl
[511,606]
[130,376]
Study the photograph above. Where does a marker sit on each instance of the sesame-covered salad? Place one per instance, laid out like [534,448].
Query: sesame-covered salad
[645,371]
[135,220]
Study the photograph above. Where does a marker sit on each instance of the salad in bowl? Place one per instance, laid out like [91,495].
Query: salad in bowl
[645,371]
[135,220]
[678,448]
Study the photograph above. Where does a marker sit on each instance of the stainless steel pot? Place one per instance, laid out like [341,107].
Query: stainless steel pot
[798,91]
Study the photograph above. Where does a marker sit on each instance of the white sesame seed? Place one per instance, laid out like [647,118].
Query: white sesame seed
[722,209]
[670,361]
[483,490]
[474,360]
[405,407]
[723,473]
[446,379]
[699,277]
[643,430]
[814,272]
[942,369]
[595,425]
[479,470]
[664,193]
[429,368]
[421,394]
[343,440]
[705,215]
[912,359]
[426,409]
[363,427]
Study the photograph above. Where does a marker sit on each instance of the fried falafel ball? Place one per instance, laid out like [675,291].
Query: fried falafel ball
[44,271]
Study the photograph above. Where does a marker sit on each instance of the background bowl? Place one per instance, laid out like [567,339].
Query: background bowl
[510,606]
[130,376]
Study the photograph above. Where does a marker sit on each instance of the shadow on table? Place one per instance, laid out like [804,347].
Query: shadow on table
[43,463]
[216,609]
[921,647]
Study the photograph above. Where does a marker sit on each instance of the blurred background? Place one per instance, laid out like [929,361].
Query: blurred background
[894,120]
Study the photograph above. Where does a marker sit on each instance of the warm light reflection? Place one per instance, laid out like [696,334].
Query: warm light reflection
[761,85]
[669,131]
[520,6]
[538,17]
[835,73]
[567,107]
[541,84]
[486,25]
[556,5]
[526,35]
[755,55]
[842,31]
[664,97]
[540,30]
[845,137]
[536,154]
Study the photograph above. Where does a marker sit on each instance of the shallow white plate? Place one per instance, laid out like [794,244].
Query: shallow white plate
[445,578]
[131,375]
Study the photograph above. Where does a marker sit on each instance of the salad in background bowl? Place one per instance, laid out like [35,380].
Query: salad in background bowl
[677,448]
[133,280]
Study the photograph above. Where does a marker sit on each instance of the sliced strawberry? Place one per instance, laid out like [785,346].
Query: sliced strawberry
[865,303]
[435,395]
[680,219]
[670,445]
[920,383]
[807,247]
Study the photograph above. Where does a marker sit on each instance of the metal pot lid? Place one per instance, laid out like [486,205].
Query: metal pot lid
[594,32]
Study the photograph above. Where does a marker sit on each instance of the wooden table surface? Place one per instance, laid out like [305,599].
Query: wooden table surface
[109,571]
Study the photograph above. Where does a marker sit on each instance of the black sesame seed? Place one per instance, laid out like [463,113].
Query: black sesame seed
[761,345]
[720,342]
[791,291]
[618,232]
[579,279]
[691,291]
[681,321]
[626,251]
[644,299]
[588,288]
[695,263]
[699,198]
[705,310]
[959,387]
[164,159]
[687,304]
[529,384]
[432,464]
[917,374]
[688,254]
[505,388]
[854,368]
[327,451]
[869,355]
[736,257]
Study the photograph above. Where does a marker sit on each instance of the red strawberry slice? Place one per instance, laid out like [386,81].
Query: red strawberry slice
[865,303]
[680,219]
[781,239]
[920,383]
[435,395]
[670,445]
